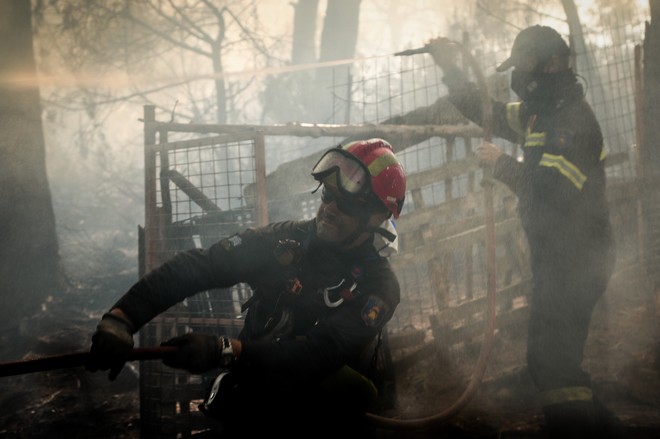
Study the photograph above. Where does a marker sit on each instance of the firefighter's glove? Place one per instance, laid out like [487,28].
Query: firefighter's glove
[112,344]
[198,353]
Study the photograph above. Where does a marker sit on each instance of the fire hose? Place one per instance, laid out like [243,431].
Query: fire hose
[489,331]
[75,359]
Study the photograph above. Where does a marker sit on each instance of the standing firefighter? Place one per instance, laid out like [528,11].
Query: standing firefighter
[322,294]
[560,184]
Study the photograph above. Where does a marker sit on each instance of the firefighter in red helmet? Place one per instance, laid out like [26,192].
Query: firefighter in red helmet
[362,173]
[322,293]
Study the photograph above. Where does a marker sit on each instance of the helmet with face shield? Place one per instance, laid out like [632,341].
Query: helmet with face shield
[366,170]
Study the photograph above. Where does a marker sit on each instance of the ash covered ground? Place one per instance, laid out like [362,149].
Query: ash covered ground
[623,355]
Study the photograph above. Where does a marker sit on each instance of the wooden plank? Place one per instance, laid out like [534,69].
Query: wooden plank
[472,333]
[406,339]
[447,171]
[325,130]
[440,212]
[260,177]
[151,214]
[401,365]
[505,297]
[429,248]
[465,323]
[202,142]
[195,194]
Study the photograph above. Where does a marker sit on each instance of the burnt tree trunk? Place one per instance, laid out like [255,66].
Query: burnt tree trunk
[304,32]
[651,148]
[338,41]
[29,261]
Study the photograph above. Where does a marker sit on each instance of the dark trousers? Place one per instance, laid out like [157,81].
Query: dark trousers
[560,315]
[564,295]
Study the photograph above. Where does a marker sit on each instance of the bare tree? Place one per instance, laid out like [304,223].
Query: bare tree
[290,96]
[338,40]
[164,50]
[308,95]
[96,58]
[650,149]
[304,30]
[29,261]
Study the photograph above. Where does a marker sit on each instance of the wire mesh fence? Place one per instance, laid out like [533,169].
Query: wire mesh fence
[200,200]
[204,190]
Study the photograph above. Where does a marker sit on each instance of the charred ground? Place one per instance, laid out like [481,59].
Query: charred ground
[622,354]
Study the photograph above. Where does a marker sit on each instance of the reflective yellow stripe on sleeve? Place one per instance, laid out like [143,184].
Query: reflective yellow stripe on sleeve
[534,139]
[513,117]
[566,394]
[566,168]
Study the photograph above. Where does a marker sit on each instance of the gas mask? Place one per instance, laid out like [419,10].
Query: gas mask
[531,86]
[539,89]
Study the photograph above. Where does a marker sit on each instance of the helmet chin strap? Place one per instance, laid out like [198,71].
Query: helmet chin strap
[364,227]
[383,232]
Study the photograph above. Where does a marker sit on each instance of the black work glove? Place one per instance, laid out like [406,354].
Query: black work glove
[198,353]
[112,344]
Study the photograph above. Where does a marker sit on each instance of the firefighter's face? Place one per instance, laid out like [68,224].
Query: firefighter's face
[338,217]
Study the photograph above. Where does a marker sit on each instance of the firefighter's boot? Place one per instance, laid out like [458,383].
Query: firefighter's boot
[570,420]
[608,425]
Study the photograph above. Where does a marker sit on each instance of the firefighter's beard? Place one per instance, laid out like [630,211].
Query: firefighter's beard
[332,229]
[338,230]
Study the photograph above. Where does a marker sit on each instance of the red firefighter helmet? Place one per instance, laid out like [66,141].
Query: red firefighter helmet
[388,179]
[365,169]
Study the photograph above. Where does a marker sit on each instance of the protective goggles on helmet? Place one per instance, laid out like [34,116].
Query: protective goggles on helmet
[352,177]
[348,206]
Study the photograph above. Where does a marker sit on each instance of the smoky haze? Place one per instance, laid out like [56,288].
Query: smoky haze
[272,64]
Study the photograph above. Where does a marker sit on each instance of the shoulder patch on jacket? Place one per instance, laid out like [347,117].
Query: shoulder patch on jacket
[374,311]
[231,242]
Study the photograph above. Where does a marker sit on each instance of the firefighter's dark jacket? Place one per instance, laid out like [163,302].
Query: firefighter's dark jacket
[288,269]
[560,183]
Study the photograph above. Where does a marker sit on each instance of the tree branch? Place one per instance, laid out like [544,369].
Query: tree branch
[167,37]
